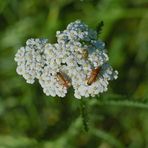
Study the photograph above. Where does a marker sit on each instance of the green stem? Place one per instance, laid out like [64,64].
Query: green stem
[84,114]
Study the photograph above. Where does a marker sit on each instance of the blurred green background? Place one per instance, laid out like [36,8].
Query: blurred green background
[29,119]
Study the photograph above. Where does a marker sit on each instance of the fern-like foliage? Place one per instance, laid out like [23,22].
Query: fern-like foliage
[99,28]
[110,99]
[118,100]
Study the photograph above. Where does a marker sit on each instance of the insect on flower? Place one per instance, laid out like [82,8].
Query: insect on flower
[62,80]
[77,48]
[93,75]
[85,53]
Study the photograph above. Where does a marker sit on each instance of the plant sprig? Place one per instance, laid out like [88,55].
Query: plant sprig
[99,28]
[119,100]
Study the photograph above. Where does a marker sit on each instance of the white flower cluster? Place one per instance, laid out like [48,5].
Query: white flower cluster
[78,59]
[30,59]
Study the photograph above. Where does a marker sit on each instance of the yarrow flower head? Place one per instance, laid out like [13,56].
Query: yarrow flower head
[30,59]
[77,60]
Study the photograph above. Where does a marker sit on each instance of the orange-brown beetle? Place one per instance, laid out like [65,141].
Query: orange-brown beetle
[93,75]
[62,80]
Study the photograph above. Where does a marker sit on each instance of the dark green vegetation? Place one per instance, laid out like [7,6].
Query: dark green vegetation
[118,118]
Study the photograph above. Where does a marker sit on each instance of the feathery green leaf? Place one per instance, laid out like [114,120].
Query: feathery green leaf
[118,100]
[99,28]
